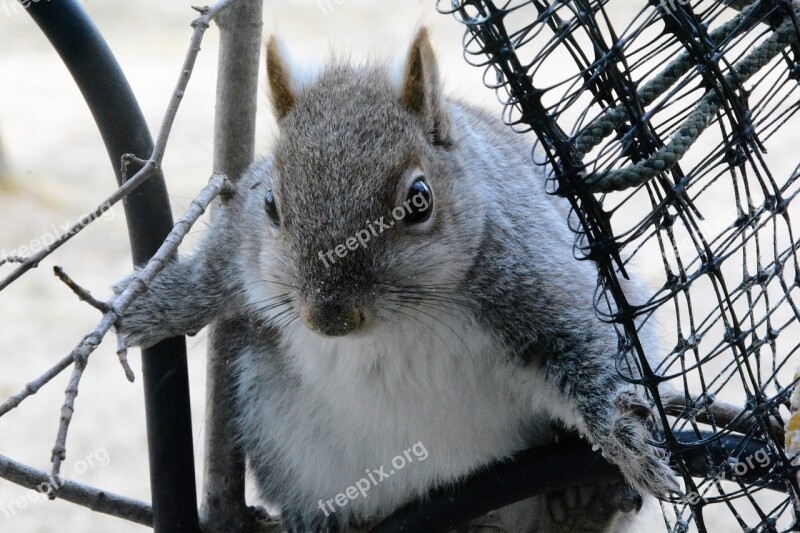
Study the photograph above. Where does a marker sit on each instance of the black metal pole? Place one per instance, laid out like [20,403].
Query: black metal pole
[569,463]
[536,471]
[123,129]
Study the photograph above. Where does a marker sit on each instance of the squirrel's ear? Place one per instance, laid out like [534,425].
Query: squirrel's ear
[281,91]
[420,91]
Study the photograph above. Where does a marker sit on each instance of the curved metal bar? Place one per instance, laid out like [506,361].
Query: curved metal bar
[124,130]
[569,463]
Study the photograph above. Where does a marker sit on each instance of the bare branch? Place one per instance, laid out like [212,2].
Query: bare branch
[139,284]
[80,354]
[86,296]
[150,167]
[26,476]
[79,291]
[77,493]
[200,25]
[34,386]
[102,501]
[224,506]
[122,351]
[34,260]
[81,358]
[217,184]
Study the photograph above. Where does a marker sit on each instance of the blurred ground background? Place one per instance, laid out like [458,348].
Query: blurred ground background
[58,170]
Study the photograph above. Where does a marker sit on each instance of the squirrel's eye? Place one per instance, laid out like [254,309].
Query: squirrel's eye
[419,202]
[271,207]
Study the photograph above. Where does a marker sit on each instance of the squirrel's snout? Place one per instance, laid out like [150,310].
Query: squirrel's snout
[332,319]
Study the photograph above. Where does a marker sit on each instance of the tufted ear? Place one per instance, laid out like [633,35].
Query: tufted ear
[281,89]
[420,90]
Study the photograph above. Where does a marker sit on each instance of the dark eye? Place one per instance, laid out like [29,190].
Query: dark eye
[419,203]
[271,207]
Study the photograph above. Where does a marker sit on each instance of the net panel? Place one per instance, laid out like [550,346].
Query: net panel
[671,129]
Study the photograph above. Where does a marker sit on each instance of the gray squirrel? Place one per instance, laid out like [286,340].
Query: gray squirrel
[463,325]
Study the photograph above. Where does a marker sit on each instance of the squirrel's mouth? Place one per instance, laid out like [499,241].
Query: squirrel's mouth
[332,319]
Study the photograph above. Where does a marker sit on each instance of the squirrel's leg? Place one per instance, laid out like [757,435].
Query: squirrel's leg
[613,415]
[181,300]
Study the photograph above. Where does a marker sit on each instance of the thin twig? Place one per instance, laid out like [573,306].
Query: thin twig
[79,291]
[26,476]
[122,350]
[119,305]
[33,261]
[77,493]
[81,358]
[199,25]
[152,165]
[90,342]
[103,307]
[34,386]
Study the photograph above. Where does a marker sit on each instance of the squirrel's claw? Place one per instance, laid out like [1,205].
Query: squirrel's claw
[628,446]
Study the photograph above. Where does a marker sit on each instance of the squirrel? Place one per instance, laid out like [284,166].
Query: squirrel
[463,325]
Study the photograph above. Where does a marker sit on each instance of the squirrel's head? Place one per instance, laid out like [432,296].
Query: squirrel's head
[367,214]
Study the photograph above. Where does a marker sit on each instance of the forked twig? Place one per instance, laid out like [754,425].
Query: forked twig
[86,296]
[119,305]
[20,474]
[116,309]
[111,316]
[77,493]
[33,387]
[80,292]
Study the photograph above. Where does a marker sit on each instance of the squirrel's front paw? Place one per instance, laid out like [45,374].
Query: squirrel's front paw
[138,324]
[627,445]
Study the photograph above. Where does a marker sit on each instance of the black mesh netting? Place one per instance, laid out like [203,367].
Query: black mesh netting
[671,130]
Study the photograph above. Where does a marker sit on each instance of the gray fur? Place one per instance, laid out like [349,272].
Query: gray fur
[478,336]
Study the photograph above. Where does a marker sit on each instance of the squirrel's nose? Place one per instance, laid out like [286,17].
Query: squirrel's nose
[332,318]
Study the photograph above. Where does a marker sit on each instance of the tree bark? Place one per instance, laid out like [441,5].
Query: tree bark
[224,508]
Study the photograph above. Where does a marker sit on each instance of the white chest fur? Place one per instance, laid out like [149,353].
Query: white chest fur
[364,400]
